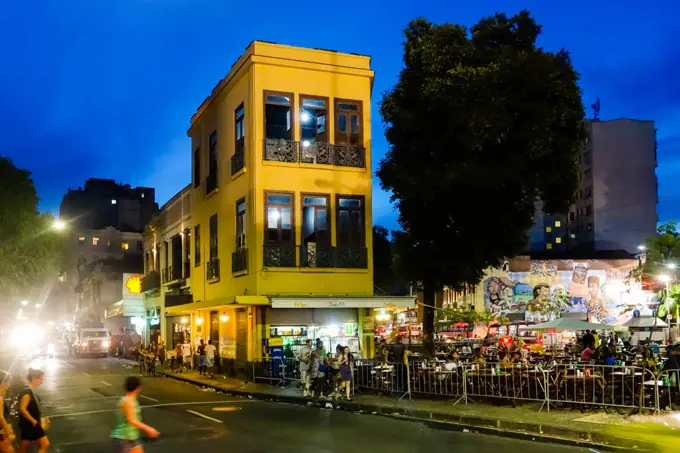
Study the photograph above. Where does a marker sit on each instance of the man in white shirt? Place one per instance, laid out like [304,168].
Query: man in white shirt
[304,356]
[187,354]
[210,350]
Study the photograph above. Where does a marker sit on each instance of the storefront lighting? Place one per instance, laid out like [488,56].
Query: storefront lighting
[224,318]
[382,317]
[137,321]
[199,321]
[183,320]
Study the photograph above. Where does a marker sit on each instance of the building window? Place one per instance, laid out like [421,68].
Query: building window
[95,241]
[590,227]
[589,210]
[279,221]
[81,240]
[240,131]
[278,121]
[558,240]
[241,224]
[315,220]
[350,221]
[124,245]
[558,224]
[572,216]
[313,119]
[142,194]
[113,201]
[548,229]
[211,182]
[197,167]
[348,122]
[213,237]
[573,236]
[197,245]
[548,246]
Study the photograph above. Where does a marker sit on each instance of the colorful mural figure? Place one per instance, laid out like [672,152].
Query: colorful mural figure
[590,292]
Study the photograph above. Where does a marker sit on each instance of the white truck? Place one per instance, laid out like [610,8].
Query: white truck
[91,341]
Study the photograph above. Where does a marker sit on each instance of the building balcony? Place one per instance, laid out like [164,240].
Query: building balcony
[314,153]
[213,269]
[172,273]
[279,255]
[237,161]
[151,281]
[239,260]
[351,257]
[316,255]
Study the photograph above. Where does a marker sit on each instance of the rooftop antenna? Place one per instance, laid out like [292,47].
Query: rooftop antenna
[596,109]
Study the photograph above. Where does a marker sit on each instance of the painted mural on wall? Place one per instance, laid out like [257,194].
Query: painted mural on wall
[590,291]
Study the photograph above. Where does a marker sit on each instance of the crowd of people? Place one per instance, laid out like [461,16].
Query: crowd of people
[325,372]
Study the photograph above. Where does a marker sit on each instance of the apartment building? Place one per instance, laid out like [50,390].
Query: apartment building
[281,239]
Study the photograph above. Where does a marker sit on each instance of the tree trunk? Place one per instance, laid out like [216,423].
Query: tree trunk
[429,289]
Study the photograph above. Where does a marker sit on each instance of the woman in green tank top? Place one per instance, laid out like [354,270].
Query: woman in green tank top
[125,436]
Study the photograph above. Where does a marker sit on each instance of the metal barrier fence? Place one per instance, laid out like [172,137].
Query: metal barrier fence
[620,388]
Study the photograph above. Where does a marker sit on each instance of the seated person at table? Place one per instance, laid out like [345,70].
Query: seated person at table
[517,357]
[609,358]
[478,357]
[587,354]
[649,361]
[451,361]
[506,361]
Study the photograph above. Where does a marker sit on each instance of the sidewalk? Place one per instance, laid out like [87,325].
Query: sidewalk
[591,429]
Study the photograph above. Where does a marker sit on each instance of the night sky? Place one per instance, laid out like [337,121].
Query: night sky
[92,88]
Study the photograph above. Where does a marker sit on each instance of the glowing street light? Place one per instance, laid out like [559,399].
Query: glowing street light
[671,265]
[642,247]
[59,225]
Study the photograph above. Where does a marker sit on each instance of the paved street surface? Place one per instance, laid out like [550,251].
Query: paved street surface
[80,396]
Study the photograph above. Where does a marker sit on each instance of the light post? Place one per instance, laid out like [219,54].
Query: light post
[58,225]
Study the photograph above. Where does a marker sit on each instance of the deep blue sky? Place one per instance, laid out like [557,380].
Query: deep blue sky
[93,88]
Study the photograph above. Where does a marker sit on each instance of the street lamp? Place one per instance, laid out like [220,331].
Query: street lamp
[59,225]
[642,247]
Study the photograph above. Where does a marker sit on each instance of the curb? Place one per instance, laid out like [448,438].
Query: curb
[462,423]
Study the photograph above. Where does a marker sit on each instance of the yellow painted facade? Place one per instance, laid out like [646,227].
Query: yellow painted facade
[242,295]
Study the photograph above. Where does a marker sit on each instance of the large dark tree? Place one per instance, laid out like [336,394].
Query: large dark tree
[481,125]
[31,251]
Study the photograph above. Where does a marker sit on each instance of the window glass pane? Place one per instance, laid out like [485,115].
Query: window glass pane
[273,218]
[319,201]
[272,235]
[354,124]
[350,203]
[321,219]
[321,124]
[278,199]
[239,112]
[278,99]
[277,119]
[285,218]
[313,103]
[344,106]
[241,207]
[343,220]
[308,223]
[342,123]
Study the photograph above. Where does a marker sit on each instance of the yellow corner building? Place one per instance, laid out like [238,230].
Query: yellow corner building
[281,246]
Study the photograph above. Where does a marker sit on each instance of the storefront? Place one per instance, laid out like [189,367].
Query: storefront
[178,329]
[153,325]
[335,321]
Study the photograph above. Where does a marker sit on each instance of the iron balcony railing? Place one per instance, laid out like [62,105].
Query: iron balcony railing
[239,260]
[213,269]
[151,281]
[315,255]
[280,150]
[173,300]
[279,255]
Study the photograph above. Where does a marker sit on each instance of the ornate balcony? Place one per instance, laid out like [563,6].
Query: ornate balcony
[239,260]
[213,269]
[151,281]
[280,150]
[315,255]
[237,161]
[314,153]
[351,257]
[279,256]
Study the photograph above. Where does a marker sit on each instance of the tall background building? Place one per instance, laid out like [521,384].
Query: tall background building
[616,202]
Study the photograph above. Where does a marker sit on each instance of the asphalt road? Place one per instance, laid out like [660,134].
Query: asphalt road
[80,396]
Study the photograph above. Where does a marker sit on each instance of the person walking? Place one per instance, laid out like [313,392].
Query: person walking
[317,371]
[7,436]
[161,353]
[125,436]
[305,359]
[31,424]
[178,358]
[210,358]
[202,359]
[346,370]
[187,354]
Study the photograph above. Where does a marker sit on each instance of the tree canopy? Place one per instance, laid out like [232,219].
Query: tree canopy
[481,124]
[30,250]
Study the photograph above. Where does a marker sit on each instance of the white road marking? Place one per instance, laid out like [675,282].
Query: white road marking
[86,374]
[205,416]
[149,398]
[107,384]
[194,403]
